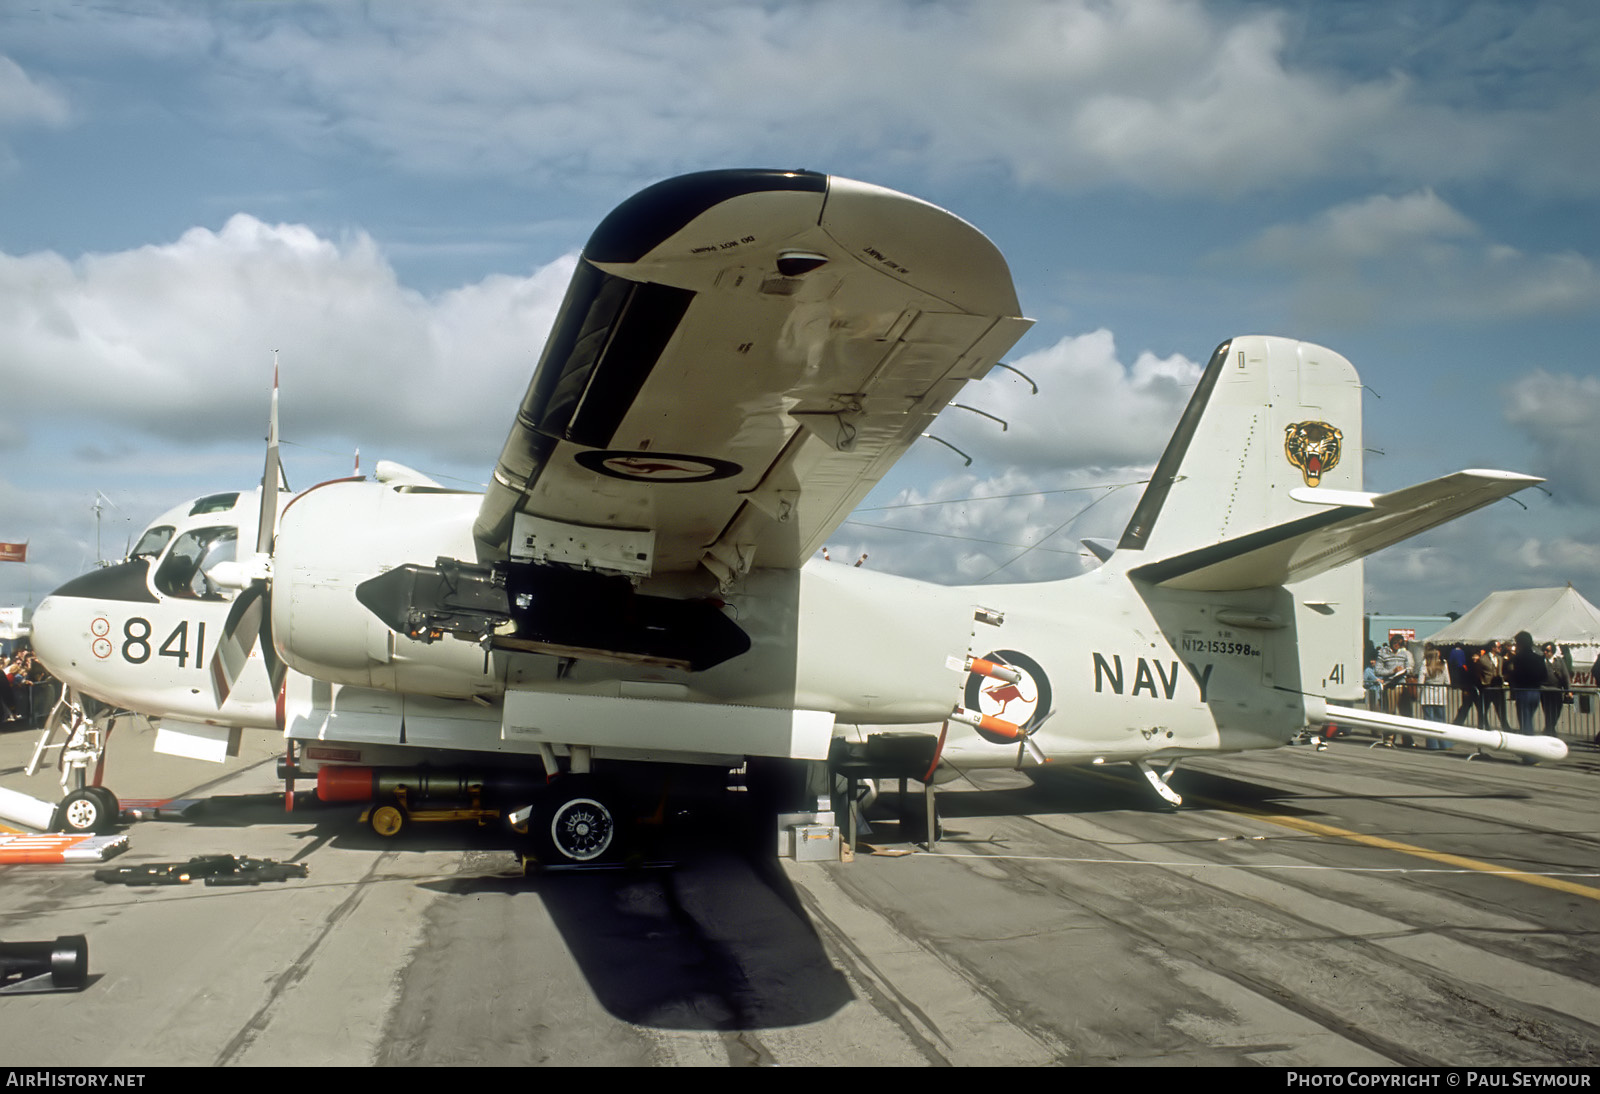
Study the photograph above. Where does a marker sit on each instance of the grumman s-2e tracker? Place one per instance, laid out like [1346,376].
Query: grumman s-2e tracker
[740,357]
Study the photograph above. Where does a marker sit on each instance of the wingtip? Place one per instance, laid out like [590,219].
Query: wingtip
[1506,476]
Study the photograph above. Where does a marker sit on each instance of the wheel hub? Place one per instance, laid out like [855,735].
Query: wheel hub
[82,814]
[582,829]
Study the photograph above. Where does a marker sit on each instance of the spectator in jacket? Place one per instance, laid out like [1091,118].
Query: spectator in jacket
[1559,690]
[1491,685]
[1527,673]
[1463,676]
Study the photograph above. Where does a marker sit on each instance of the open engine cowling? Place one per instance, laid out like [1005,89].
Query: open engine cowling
[372,587]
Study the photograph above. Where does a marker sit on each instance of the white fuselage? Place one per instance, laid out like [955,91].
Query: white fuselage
[1111,670]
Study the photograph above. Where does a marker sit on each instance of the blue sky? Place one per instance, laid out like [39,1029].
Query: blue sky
[391,196]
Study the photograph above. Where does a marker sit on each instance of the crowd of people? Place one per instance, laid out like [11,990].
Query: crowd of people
[27,691]
[1537,680]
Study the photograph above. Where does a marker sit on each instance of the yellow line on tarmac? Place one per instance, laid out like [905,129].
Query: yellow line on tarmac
[1317,828]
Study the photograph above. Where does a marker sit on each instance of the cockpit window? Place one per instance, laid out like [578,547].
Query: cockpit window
[152,542]
[214,503]
[185,571]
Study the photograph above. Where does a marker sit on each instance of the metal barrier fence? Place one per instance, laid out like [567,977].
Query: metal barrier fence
[31,703]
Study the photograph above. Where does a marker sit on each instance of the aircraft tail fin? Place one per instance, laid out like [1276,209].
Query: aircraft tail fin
[1261,486]
[1271,418]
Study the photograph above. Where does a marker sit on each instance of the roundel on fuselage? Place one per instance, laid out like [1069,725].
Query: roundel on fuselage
[1024,703]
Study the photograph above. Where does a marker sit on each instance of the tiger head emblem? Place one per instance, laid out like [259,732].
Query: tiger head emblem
[1313,447]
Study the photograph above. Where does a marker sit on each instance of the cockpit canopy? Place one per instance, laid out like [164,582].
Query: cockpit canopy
[153,542]
[186,543]
[186,570]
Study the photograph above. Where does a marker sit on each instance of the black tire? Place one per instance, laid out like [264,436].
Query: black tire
[83,811]
[113,806]
[582,827]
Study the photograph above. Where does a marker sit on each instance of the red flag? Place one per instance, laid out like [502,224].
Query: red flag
[13,552]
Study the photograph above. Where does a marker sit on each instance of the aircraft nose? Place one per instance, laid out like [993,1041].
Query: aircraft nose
[59,622]
[72,627]
[50,639]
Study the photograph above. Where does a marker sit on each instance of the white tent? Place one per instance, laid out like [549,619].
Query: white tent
[1560,615]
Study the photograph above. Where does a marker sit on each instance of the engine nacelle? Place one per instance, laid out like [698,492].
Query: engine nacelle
[373,587]
[334,537]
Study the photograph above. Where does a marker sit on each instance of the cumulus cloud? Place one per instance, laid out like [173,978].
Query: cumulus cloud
[1016,525]
[1557,413]
[1455,565]
[1170,95]
[176,340]
[1091,411]
[1374,227]
[1070,466]
[1403,258]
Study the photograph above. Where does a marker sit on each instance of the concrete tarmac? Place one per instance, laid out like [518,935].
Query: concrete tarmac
[1349,907]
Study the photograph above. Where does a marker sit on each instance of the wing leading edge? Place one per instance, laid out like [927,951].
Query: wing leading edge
[740,357]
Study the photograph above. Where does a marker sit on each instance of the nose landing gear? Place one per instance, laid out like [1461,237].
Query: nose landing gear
[91,809]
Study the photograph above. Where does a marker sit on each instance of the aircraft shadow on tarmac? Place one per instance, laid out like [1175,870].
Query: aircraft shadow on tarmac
[1087,790]
[705,934]
[716,942]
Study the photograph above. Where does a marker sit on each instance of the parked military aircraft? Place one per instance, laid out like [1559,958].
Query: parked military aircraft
[740,357]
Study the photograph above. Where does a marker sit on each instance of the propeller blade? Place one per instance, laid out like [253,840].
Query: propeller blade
[269,653]
[267,525]
[240,632]
[250,619]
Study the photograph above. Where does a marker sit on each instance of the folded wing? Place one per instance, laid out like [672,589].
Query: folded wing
[741,355]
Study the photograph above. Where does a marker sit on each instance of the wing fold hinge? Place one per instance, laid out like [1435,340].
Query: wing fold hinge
[728,562]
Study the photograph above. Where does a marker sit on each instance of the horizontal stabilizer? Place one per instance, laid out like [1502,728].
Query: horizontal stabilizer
[1493,740]
[1307,546]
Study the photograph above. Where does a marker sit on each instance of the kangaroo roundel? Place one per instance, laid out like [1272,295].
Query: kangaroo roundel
[1023,704]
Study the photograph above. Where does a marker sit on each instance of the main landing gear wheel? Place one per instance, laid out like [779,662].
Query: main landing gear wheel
[582,827]
[388,820]
[84,811]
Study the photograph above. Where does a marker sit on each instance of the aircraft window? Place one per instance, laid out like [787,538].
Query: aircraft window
[214,503]
[153,542]
[185,570]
